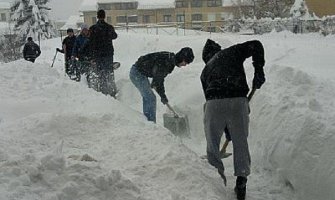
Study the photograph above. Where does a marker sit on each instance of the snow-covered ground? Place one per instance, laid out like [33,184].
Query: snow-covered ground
[48,122]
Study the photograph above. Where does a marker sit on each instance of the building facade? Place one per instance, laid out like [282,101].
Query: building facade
[5,12]
[321,7]
[194,14]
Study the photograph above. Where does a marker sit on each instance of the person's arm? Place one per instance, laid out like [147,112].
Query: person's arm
[158,84]
[75,48]
[256,50]
[113,34]
[24,51]
[38,51]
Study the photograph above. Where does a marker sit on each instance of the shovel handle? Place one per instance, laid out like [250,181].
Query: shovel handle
[251,93]
[174,112]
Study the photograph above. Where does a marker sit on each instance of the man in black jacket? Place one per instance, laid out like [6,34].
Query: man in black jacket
[102,35]
[156,66]
[225,87]
[31,50]
[67,46]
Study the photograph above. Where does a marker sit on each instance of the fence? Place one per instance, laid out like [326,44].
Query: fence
[248,26]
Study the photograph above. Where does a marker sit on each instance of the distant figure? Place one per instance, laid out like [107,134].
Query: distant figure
[102,35]
[78,54]
[31,50]
[68,44]
[156,66]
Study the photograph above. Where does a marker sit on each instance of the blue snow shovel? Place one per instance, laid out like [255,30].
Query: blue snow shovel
[176,123]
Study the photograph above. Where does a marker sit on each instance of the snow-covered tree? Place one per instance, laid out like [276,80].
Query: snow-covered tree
[32,19]
[299,9]
[272,8]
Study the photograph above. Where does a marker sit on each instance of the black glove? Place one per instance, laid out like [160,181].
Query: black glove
[259,79]
[60,50]
[164,99]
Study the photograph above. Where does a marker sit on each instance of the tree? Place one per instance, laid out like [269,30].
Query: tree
[272,8]
[299,9]
[32,20]
[9,46]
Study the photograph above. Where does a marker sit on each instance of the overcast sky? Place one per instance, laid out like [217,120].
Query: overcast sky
[62,9]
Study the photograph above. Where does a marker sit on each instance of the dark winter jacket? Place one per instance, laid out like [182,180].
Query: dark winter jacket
[31,50]
[101,40]
[78,46]
[224,75]
[69,43]
[157,66]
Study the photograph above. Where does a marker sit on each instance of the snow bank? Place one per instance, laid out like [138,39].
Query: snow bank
[49,124]
[293,131]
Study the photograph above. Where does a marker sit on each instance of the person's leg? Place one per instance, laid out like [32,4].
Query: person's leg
[238,126]
[214,124]
[107,80]
[142,83]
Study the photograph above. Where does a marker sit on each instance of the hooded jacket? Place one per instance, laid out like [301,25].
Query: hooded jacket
[224,75]
[157,66]
[31,50]
[101,39]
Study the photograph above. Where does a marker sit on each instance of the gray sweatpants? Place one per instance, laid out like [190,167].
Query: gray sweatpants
[232,113]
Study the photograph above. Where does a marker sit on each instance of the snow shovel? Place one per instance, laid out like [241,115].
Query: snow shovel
[53,61]
[176,123]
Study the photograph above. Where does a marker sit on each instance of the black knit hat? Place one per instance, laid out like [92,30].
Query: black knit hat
[101,14]
[69,30]
[185,54]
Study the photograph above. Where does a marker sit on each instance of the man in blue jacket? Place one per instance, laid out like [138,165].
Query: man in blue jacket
[225,88]
[78,54]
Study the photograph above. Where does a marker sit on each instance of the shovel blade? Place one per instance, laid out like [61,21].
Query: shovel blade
[179,126]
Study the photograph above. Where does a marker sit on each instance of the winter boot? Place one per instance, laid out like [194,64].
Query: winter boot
[241,187]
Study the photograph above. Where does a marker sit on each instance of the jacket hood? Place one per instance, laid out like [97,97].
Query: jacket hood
[209,50]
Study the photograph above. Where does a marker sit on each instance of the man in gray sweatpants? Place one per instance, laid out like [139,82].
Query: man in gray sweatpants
[225,87]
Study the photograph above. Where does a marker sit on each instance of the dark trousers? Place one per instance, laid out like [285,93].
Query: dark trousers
[106,76]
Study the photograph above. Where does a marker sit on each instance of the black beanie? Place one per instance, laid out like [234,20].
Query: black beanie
[69,30]
[185,54]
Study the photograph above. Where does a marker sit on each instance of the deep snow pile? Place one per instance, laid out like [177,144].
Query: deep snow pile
[48,123]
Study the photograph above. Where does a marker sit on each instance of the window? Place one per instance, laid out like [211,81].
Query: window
[214,3]
[146,19]
[180,18]
[196,17]
[132,19]
[94,20]
[181,4]
[167,18]
[196,3]
[211,17]
[3,17]
[126,6]
[109,19]
[121,19]
[105,6]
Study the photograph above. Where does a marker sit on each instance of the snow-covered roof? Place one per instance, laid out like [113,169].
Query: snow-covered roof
[88,5]
[73,22]
[140,2]
[235,2]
